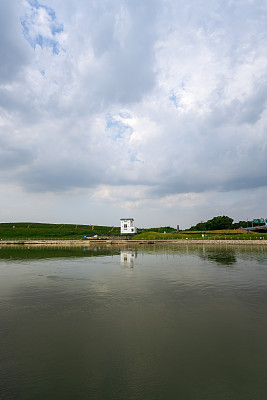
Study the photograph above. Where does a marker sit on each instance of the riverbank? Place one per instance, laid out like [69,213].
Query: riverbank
[88,243]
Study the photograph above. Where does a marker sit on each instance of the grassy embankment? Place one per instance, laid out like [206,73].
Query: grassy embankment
[230,234]
[32,231]
[53,231]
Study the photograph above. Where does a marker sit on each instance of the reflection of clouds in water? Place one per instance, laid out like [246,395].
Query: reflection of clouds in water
[100,288]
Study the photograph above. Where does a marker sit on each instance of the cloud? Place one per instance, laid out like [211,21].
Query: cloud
[164,96]
[14,54]
[12,156]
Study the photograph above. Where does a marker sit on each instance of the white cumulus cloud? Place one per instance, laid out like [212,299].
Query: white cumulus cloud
[155,108]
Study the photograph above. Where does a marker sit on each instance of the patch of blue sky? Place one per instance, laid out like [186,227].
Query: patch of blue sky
[134,158]
[174,99]
[31,29]
[116,127]
[36,5]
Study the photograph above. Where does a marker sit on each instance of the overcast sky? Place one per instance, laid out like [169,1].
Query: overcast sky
[150,109]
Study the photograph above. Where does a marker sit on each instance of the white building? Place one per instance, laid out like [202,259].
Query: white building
[127,226]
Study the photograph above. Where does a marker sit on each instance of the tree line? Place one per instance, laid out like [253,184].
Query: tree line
[220,222]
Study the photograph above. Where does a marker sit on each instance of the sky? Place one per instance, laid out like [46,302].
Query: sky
[146,109]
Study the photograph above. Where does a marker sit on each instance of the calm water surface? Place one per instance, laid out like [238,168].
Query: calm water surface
[138,323]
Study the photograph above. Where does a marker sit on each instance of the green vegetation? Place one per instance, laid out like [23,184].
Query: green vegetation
[53,231]
[224,222]
[226,234]
[35,231]
[162,229]
[220,222]
[159,235]
[243,224]
[27,230]
[207,235]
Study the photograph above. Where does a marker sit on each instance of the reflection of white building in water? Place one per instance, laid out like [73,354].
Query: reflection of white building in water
[127,257]
[127,226]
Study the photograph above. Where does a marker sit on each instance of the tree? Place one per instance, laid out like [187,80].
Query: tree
[220,222]
[216,223]
[242,224]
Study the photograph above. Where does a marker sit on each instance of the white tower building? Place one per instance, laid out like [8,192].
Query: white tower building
[127,226]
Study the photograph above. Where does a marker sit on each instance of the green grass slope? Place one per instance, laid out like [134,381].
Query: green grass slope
[29,230]
[194,235]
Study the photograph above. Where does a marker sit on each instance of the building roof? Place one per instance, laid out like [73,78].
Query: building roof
[127,219]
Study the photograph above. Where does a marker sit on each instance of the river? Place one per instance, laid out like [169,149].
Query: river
[133,323]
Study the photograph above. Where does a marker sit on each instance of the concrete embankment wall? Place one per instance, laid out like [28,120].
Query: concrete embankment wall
[88,243]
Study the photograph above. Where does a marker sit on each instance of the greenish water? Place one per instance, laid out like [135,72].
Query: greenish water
[156,322]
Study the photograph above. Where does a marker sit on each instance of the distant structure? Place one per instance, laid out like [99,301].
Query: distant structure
[257,225]
[260,221]
[127,226]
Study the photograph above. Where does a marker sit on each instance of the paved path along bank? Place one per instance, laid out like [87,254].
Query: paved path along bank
[88,243]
